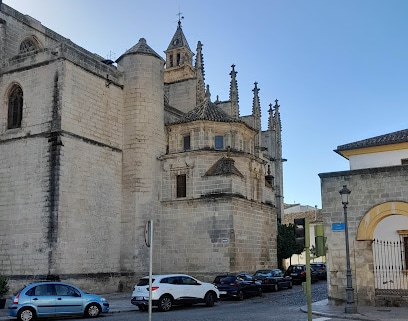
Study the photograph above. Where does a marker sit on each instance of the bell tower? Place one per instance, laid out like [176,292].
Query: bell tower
[179,58]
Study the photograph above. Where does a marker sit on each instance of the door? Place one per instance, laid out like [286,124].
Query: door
[250,285]
[42,296]
[191,289]
[68,300]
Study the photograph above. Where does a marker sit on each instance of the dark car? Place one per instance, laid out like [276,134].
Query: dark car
[237,286]
[320,268]
[298,273]
[273,280]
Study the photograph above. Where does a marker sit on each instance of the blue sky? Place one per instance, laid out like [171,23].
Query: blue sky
[338,68]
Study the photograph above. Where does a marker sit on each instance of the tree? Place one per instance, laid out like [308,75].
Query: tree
[286,243]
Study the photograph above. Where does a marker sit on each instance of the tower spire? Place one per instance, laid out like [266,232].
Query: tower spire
[234,93]
[256,107]
[277,130]
[277,125]
[256,114]
[199,67]
[270,118]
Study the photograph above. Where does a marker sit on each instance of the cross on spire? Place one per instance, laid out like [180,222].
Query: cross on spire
[180,17]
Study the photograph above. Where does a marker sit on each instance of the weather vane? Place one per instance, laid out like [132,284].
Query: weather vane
[180,17]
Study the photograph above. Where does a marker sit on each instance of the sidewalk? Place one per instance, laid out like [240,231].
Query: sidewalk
[120,302]
[324,309]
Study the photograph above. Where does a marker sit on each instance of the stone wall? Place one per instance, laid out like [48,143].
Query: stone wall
[181,95]
[233,235]
[23,203]
[369,187]
[144,141]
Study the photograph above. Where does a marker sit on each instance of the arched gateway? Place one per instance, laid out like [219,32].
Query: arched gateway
[386,225]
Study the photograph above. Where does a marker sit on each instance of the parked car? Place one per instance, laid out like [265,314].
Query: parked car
[237,286]
[55,299]
[273,280]
[173,289]
[320,268]
[298,273]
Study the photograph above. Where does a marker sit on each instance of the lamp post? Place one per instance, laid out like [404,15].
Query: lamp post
[350,305]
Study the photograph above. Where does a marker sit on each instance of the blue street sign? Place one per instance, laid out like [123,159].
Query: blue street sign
[337,227]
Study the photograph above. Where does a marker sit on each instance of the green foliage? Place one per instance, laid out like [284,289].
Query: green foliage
[4,288]
[286,242]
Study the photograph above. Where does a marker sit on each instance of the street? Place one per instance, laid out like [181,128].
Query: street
[283,306]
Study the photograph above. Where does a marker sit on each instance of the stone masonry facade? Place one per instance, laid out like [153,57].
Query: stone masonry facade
[369,188]
[93,149]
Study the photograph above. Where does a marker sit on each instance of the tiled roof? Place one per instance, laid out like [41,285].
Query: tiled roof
[142,48]
[207,111]
[392,138]
[178,40]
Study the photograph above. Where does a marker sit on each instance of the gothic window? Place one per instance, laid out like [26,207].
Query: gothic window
[219,142]
[178,59]
[186,143]
[15,108]
[181,185]
[171,60]
[28,45]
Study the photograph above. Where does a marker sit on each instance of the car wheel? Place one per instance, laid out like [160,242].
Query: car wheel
[209,299]
[165,303]
[275,288]
[240,295]
[260,293]
[26,314]
[142,307]
[290,285]
[92,310]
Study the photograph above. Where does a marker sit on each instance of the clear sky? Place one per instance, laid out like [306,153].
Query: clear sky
[339,68]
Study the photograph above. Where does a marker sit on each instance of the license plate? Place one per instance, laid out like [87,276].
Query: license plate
[139,298]
[293,274]
[223,292]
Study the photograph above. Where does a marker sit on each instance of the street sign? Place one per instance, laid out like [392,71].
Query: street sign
[338,227]
[148,233]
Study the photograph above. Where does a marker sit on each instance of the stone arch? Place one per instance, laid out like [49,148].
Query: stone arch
[370,220]
[29,44]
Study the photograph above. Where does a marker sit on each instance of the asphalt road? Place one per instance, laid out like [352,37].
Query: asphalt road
[280,306]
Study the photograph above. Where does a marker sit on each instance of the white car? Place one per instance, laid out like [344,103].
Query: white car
[173,289]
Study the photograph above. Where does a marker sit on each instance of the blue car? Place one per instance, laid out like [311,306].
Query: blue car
[51,299]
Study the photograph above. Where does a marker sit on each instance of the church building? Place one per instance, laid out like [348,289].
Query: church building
[92,149]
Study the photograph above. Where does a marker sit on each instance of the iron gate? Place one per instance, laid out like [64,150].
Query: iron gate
[390,268]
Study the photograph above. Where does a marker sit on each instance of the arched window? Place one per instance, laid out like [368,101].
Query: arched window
[28,45]
[15,108]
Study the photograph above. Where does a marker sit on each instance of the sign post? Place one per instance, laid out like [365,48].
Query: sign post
[308,270]
[149,243]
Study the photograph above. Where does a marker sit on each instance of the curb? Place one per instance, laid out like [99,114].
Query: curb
[356,316]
